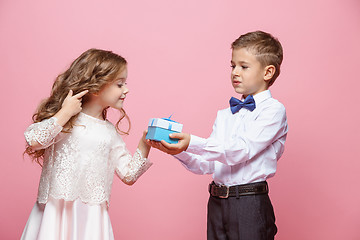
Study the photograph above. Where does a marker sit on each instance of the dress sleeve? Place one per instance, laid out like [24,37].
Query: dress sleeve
[129,168]
[43,133]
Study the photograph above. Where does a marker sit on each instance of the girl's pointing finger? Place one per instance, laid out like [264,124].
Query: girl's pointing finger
[81,94]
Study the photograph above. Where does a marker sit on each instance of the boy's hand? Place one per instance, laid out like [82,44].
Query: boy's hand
[173,149]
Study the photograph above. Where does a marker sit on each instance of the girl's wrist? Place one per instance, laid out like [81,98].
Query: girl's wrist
[144,148]
[143,143]
[62,117]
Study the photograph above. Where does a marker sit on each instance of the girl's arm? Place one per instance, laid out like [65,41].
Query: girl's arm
[130,168]
[41,135]
[143,147]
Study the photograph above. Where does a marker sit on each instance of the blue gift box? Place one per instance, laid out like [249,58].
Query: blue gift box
[160,128]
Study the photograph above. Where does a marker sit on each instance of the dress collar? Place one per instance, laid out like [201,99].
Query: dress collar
[94,119]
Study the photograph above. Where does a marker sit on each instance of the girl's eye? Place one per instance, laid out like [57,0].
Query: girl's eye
[120,85]
[232,66]
[244,67]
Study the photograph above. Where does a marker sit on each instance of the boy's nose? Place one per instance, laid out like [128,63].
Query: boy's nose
[236,71]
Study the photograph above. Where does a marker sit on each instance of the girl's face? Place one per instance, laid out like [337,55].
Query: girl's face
[113,94]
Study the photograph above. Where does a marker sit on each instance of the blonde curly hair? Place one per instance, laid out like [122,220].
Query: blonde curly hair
[91,71]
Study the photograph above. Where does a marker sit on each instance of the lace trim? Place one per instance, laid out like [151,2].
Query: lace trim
[137,167]
[43,132]
[81,164]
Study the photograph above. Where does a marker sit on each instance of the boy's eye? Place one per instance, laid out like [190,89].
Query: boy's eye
[242,66]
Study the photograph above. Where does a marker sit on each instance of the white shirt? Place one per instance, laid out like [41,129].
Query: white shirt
[81,164]
[244,147]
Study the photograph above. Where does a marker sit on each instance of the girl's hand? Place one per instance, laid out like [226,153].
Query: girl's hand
[70,107]
[144,135]
[72,104]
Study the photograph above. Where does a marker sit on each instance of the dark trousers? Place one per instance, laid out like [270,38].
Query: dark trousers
[245,218]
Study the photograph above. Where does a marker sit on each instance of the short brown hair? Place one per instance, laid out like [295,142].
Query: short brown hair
[265,47]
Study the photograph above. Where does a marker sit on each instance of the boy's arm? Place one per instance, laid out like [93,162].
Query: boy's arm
[264,131]
[245,144]
[195,163]
[192,162]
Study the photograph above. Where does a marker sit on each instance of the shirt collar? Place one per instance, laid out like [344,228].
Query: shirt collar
[262,96]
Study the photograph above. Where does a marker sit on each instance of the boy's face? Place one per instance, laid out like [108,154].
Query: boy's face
[247,75]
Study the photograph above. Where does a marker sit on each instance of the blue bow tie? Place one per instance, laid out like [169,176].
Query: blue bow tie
[236,104]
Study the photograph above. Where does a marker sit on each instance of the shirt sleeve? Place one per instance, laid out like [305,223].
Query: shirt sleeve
[43,133]
[195,162]
[268,127]
[129,168]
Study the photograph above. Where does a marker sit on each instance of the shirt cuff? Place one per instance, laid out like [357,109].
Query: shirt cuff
[183,156]
[197,145]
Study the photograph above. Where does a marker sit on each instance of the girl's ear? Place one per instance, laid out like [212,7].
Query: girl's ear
[94,94]
[269,72]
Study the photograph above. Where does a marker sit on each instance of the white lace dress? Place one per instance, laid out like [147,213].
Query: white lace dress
[76,178]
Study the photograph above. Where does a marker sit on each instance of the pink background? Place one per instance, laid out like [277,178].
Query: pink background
[179,63]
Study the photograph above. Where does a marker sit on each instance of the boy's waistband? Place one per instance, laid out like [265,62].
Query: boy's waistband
[223,191]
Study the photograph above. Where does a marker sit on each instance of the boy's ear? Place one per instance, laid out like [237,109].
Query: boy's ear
[269,72]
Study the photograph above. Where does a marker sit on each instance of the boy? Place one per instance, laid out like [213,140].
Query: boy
[247,140]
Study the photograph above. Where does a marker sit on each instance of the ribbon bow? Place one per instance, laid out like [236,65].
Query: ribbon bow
[236,104]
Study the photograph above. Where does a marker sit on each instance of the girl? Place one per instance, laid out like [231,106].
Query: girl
[81,150]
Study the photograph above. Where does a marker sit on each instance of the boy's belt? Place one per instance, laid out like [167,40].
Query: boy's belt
[223,191]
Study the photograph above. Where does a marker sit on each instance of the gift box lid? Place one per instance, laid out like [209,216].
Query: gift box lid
[166,123]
